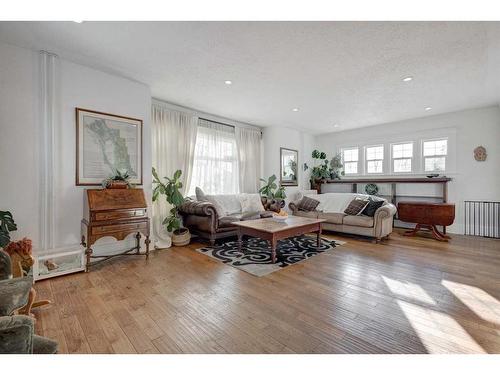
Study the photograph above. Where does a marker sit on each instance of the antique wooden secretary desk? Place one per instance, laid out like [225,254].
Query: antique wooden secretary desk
[116,213]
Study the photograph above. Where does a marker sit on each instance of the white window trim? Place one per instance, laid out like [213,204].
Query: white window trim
[365,160]
[413,169]
[359,159]
[422,157]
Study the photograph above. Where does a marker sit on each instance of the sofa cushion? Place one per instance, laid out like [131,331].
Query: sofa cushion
[335,202]
[307,204]
[200,195]
[358,221]
[230,203]
[332,217]
[311,214]
[250,203]
[227,221]
[356,206]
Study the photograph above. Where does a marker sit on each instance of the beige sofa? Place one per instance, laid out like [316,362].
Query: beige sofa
[332,206]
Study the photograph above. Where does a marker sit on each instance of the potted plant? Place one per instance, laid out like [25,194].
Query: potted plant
[171,190]
[325,169]
[117,181]
[7,225]
[272,196]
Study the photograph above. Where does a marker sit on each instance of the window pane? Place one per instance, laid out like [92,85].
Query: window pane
[435,164]
[351,154]
[402,165]
[404,150]
[374,166]
[432,148]
[351,167]
[374,153]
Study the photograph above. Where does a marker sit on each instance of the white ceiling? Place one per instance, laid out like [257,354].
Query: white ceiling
[346,73]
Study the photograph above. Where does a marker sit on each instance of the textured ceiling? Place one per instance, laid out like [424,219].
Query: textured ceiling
[346,73]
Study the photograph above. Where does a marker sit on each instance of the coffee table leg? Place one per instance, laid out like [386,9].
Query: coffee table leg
[274,243]
[240,236]
[318,244]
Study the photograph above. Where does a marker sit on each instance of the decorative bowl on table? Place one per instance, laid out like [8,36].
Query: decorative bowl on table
[280,216]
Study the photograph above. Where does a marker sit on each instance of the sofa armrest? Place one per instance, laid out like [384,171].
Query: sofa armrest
[199,215]
[191,207]
[16,334]
[387,210]
[383,219]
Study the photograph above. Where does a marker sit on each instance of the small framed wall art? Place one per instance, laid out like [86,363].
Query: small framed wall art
[105,144]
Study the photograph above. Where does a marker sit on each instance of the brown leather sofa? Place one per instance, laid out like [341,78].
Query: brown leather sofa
[201,218]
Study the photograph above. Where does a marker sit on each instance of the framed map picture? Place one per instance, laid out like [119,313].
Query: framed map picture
[105,144]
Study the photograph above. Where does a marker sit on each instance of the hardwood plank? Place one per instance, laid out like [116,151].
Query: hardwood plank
[405,295]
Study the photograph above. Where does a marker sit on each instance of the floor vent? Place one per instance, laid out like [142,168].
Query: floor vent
[482,218]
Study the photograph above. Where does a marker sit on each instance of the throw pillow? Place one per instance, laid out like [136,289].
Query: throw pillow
[307,204]
[356,206]
[373,205]
[251,203]
[200,195]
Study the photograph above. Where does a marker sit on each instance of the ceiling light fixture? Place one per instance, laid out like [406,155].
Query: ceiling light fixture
[428,108]
[336,125]
[228,82]
[295,109]
[407,79]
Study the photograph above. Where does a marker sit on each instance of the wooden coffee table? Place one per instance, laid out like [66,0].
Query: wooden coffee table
[273,231]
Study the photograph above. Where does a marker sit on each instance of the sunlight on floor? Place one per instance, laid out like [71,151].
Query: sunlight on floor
[408,290]
[438,332]
[483,304]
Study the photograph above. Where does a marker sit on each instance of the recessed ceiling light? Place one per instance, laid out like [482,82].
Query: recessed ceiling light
[407,79]
[228,82]
[428,108]
[336,125]
[295,109]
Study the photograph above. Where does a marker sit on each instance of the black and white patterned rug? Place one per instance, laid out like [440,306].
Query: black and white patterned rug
[255,257]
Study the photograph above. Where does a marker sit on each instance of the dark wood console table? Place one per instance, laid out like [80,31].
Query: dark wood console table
[116,213]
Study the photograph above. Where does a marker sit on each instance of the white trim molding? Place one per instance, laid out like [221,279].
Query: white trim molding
[48,100]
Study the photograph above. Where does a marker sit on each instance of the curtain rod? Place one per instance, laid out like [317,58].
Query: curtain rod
[220,123]
[215,122]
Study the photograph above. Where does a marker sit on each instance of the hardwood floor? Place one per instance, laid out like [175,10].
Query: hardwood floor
[405,295]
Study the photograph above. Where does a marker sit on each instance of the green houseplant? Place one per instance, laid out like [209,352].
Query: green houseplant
[7,225]
[272,195]
[117,181]
[171,190]
[324,169]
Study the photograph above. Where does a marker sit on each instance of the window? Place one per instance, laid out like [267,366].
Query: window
[215,167]
[374,159]
[435,152]
[350,158]
[402,155]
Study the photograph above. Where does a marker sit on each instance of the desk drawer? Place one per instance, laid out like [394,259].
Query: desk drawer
[119,228]
[116,215]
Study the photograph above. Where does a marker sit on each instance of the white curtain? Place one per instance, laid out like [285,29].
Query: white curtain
[174,141]
[248,145]
[215,168]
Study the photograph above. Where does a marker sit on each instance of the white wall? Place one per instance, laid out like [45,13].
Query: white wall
[18,139]
[77,86]
[276,137]
[465,130]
